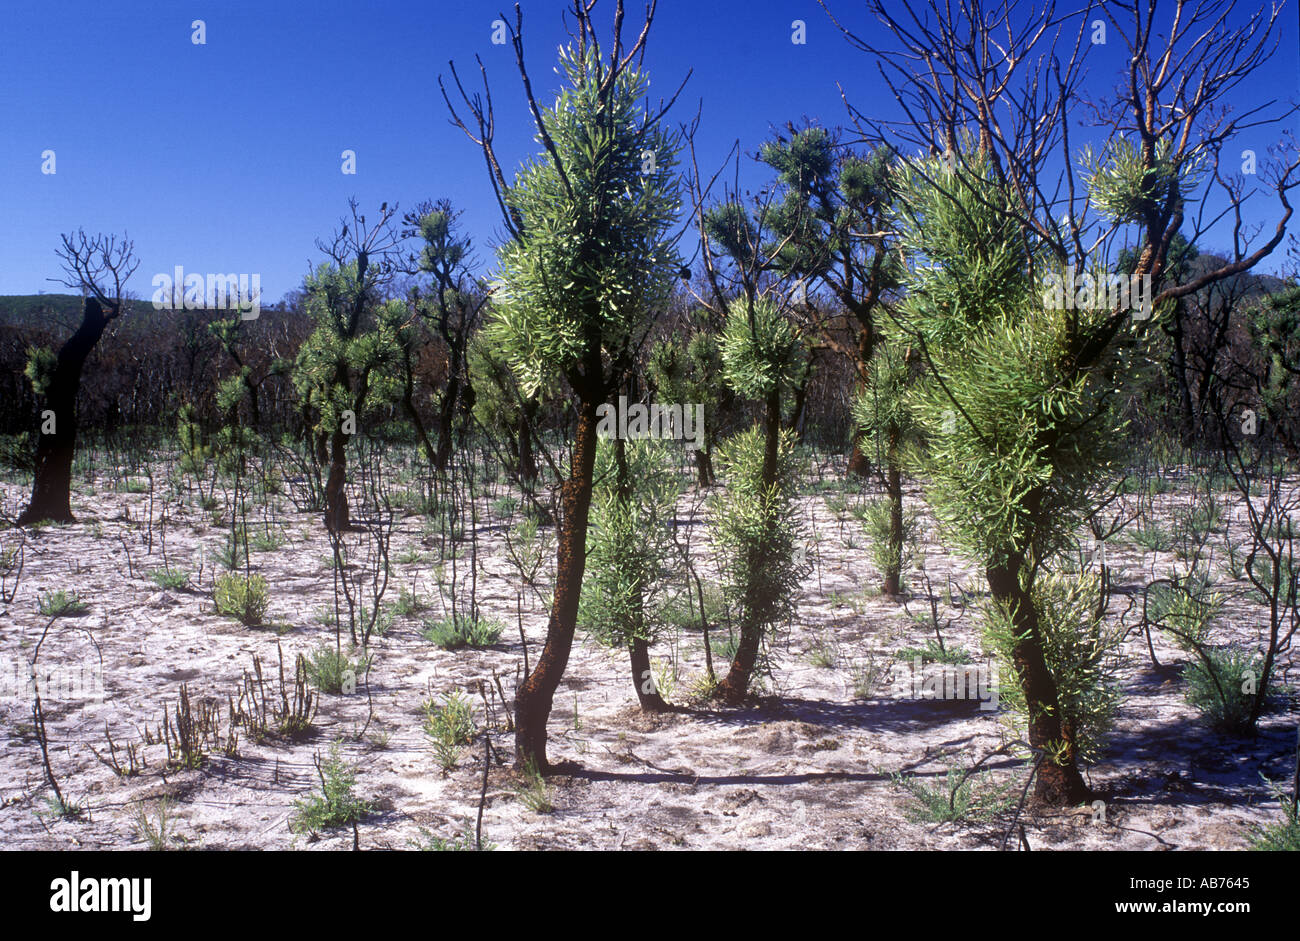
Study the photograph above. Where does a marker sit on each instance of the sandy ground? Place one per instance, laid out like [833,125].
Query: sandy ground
[807,767]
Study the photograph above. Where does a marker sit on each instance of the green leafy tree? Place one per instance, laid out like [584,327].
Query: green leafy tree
[1018,429]
[762,359]
[684,368]
[589,263]
[349,365]
[883,418]
[755,533]
[629,552]
[450,306]
[831,230]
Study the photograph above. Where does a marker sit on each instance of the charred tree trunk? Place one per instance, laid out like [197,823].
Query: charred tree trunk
[446,418]
[51,488]
[859,463]
[1057,785]
[535,697]
[704,467]
[647,693]
[893,583]
[527,462]
[337,518]
[735,686]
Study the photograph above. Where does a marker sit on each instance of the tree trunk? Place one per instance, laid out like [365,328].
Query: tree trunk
[1056,785]
[534,698]
[647,693]
[859,463]
[735,686]
[704,468]
[527,463]
[337,518]
[446,417]
[51,488]
[893,584]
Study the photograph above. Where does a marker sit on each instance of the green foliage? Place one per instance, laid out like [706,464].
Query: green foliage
[155,831]
[332,671]
[1123,189]
[755,532]
[39,370]
[450,726]
[629,543]
[886,557]
[194,454]
[1012,462]
[762,350]
[461,630]
[1224,690]
[169,578]
[464,841]
[684,367]
[596,259]
[933,653]
[240,597]
[344,347]
[1082,655]
[880,410]
[60,604]
[1188,606]
[336,804]
[1284,836]
[533,791]
[956,797]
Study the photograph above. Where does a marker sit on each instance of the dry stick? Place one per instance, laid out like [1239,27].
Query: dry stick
[482,797]
[523,641]
[1038,760]
[1295,783]
[38,717]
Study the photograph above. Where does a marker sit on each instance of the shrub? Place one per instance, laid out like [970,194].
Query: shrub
[462,842]
[933,653]
[1081,654]
[244,599]
[452,633]
[336,804]
[332,671]
[169,578]
[1279,836]
[451,727]
[875,520]
[867,674]
[1223,690]
[958,796]
[533,791]
[61,604]
[1188,607]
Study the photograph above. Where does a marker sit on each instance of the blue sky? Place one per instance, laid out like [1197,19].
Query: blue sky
[225,157]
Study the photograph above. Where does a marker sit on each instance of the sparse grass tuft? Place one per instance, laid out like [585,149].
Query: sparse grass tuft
[452,633]
[169,578]
[336,804]
[61,604]
[451,727]
[244,599]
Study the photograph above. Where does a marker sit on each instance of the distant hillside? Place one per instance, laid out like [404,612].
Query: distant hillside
[60,310]
[34,310]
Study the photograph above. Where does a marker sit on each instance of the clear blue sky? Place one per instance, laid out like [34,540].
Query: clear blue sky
[225,157]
